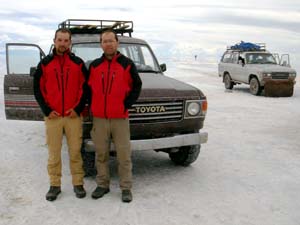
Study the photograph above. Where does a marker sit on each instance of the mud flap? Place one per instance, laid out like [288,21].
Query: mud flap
[279,88]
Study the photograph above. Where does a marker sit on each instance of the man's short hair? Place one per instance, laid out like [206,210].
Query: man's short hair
[63,30]
[108,30]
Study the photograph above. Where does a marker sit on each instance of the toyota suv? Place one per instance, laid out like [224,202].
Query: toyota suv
[167,117]
[252,64]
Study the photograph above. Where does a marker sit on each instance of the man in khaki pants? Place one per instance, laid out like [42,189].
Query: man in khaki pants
[115,85]
[60,89]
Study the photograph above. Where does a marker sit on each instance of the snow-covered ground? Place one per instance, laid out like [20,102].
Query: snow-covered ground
[247,174]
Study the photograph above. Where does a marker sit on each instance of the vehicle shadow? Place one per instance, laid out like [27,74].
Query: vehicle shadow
[240,89]
[149,166]
[244,90]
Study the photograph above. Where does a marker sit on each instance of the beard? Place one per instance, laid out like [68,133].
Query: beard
[61,50]
[110,54]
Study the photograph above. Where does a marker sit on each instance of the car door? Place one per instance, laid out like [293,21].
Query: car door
[285,60]
[241,70]
[237,68]
[20,103]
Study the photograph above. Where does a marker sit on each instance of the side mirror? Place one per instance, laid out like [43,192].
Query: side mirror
[163,67]
[32,70]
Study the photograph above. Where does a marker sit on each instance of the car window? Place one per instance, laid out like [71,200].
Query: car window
[22,58]
[226,58]
[260,58]
[235,57]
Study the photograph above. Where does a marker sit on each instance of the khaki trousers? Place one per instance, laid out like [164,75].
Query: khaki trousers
[117,130]
[72,128]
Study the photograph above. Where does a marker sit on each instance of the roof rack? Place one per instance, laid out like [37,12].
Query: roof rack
[247,46]
[85,26]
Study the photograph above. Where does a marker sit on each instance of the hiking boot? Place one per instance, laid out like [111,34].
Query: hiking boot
[53,193]
[79,191]
[99,192]
[126,196]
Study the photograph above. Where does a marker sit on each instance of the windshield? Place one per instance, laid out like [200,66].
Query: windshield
[260,58]
[140,54]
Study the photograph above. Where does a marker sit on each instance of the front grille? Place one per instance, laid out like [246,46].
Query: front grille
[280,76]
[155,112]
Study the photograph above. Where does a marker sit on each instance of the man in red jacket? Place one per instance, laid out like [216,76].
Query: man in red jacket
[59,88]
[115,85]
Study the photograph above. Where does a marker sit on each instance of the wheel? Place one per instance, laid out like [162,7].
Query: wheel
[88,159]
[255,87]
[186,155]
[227,81]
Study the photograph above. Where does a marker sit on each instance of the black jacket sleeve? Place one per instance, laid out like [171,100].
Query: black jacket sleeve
[136,87]
[86,91]
[37,90]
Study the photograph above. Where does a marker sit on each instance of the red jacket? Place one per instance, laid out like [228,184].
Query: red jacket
[115,85]
[59,84]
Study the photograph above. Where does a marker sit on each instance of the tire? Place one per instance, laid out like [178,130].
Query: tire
[227,81]
[186,155]
[88,159]
[255,87]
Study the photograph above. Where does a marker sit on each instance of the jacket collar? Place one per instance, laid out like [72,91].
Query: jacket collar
[114,58]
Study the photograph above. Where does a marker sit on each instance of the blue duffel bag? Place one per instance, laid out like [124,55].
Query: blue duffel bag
[246,46]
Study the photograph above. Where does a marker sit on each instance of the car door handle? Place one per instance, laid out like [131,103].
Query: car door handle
[14,89]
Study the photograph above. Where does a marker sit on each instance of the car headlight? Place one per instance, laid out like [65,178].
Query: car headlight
[293,74]
[267,75]
[195,108]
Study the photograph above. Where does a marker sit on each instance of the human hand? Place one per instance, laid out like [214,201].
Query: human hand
[71,113]
[53,115]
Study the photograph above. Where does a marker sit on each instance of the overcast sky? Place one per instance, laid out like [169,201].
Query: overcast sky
[175,29]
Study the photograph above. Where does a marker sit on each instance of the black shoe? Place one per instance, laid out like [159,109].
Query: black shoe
[126,196]
[53,193]
[99,192]
[79,191]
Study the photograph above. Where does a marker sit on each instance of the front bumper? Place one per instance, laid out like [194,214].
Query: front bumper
[279,88]
[265,80]
[159,143]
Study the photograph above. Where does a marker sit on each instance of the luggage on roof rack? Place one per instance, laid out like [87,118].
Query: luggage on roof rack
[248,46]
[84,26]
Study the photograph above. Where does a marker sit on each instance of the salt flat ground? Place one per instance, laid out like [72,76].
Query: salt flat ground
[247,174]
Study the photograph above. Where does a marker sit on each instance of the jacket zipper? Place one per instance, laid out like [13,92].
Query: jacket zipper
[63,87]
[107,85]
[112,80]
[57,79]
[67,76]
[63,94]
[103,83]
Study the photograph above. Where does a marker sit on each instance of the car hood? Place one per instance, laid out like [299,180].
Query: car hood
[158,86]
[273,68]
